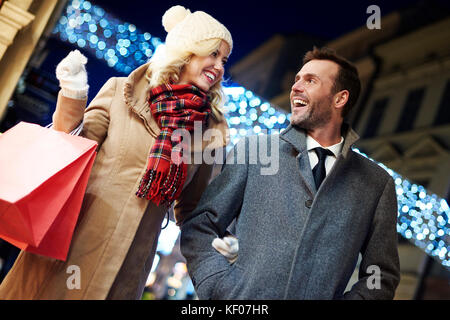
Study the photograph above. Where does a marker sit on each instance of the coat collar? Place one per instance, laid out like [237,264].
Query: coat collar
[297,138]
[136,89]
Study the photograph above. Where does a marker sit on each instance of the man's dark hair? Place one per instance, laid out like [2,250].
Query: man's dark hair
[346,79]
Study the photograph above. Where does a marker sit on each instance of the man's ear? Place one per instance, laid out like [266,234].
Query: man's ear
[340,99]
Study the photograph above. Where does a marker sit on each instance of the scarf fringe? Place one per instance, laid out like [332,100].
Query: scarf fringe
[161,189]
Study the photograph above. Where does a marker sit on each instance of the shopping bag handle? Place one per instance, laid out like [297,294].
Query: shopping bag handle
[74,132]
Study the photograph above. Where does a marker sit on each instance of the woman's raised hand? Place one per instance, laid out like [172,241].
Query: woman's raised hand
[72,76]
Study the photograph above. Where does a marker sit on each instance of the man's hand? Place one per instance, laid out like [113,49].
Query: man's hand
[228,246]
[72,76]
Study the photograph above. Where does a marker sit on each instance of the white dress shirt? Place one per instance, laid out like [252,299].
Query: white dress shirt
[329,160]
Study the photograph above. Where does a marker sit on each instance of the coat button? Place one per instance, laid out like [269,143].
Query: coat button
[308,203]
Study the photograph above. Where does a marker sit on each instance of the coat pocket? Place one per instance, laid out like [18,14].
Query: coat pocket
[228,285]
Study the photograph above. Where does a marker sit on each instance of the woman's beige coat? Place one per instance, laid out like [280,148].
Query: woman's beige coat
[116,235]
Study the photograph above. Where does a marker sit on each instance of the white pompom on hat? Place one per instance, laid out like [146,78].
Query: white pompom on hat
[173,16]
[185,29]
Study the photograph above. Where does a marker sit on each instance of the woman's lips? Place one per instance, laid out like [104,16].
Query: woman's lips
[210,76]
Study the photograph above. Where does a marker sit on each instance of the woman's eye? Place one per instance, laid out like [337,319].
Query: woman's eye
[214,54]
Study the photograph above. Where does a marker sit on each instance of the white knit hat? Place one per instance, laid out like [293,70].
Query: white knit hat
[185,29]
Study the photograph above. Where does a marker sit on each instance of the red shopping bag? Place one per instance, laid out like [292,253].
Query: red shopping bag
[43,177]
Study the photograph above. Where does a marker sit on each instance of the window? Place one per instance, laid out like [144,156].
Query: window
[410,110]
[375,118]
[443,114]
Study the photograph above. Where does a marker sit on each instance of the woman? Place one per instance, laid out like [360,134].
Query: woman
[134,179]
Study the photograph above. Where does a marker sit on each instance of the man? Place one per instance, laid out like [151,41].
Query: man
[301,229]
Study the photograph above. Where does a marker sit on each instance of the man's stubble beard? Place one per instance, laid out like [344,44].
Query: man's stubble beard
[317,116]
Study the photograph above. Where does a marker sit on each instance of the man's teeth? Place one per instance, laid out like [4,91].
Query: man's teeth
[300,101]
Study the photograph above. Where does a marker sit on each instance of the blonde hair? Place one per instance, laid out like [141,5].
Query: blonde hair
[167,63]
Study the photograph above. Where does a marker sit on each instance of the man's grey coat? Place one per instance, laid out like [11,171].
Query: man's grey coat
[295,242]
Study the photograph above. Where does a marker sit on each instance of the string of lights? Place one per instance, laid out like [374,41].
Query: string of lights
[423,218]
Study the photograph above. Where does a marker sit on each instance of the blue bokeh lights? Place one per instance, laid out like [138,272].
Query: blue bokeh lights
[247,114]
[119,43]
[423,218]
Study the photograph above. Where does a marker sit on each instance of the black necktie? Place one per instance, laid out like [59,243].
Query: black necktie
[319,172]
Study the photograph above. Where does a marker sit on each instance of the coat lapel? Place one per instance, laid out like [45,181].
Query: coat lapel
[306,172]
[296,137]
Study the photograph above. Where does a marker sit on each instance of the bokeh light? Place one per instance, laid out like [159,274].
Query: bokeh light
[119,43]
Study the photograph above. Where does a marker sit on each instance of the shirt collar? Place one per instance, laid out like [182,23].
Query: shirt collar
[336,148]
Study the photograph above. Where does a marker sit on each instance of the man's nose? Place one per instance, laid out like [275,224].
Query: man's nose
[297,86]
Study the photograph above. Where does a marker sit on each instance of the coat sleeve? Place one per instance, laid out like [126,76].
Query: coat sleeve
[71,112]
[219,205]
[379,272]
[191,194]
[68,114]
[97,114]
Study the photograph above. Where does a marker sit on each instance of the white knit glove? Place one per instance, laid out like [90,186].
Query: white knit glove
[228,246]
[72,76]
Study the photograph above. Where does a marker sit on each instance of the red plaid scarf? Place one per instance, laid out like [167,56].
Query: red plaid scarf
[173,107]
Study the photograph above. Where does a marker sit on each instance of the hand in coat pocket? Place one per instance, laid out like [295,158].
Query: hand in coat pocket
[228,246]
